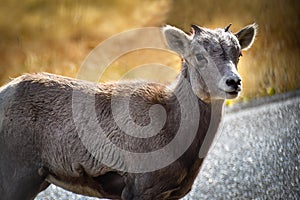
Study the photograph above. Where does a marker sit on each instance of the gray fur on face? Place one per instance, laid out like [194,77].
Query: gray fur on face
[212,57]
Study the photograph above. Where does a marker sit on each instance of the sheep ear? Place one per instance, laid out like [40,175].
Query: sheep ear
[247,35]
[177,40]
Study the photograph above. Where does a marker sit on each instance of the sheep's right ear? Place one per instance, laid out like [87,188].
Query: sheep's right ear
[177,40]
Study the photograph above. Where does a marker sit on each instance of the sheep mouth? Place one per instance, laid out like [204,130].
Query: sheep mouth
[233,93]
[230,94]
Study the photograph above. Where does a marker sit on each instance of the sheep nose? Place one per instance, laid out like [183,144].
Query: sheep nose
[234,82]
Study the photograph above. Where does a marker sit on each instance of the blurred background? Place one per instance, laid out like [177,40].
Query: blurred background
[56,35]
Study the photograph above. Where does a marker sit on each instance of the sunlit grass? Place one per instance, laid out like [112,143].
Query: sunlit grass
[146,64]
[56,36]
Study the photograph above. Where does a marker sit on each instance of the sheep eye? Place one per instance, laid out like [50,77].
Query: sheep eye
[200,58]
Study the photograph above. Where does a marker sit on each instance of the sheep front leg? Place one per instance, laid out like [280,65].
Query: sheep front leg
[21,182]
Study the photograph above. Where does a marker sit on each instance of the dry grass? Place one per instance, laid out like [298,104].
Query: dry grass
[56,36]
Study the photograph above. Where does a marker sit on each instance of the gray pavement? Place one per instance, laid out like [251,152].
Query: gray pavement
[256,154]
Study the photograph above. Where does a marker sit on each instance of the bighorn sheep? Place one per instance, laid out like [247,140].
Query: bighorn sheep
[45,139]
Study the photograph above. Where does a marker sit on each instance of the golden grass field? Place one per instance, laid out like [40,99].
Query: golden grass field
[56,36]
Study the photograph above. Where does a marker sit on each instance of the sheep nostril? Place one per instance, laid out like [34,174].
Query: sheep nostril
[230,82]
[234,83]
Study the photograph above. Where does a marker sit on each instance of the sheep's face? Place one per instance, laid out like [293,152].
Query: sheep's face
[211,57]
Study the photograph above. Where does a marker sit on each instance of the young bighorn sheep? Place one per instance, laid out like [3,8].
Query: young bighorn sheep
[47,134]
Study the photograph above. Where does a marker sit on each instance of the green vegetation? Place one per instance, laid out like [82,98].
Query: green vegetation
[55,36]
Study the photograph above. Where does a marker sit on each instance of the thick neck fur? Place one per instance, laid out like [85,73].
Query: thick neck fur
[209,118]
[207,123]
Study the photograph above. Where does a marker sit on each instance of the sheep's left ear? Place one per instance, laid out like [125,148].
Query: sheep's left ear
[247,35]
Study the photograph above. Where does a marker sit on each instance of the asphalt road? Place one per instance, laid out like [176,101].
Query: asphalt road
[256,154]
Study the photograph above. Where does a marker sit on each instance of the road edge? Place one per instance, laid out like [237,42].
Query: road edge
[262,101]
